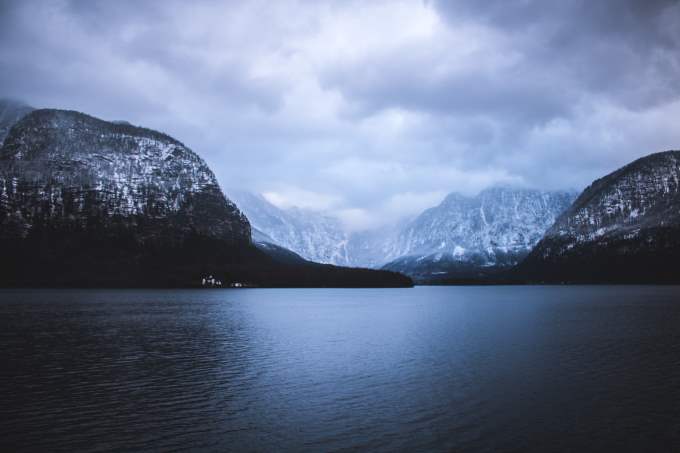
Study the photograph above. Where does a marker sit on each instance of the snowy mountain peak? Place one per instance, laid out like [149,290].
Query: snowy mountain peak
[496,222]
[494,229]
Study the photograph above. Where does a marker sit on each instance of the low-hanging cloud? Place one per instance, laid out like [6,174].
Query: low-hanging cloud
[371,110]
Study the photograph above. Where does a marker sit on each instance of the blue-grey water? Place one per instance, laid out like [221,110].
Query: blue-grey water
[424,369]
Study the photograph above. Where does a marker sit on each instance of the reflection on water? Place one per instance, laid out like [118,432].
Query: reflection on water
[429,368]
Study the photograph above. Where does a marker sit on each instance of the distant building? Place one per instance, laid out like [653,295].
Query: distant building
[210,282]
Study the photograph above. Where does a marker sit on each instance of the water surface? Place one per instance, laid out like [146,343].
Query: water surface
[422,369]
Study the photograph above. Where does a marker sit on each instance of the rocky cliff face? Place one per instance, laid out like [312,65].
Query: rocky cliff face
[623,226]
[67,170]
[472,236]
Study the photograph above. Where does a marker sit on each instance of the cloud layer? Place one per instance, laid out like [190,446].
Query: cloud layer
[371,110]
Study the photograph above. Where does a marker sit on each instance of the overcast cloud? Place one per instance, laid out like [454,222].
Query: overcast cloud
[371,110]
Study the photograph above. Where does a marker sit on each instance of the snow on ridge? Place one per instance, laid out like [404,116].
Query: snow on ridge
[638,195]
[496,223]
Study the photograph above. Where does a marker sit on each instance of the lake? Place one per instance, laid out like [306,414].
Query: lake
[522,368]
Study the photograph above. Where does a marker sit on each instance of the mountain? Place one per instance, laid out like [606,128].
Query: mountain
[463,237]
[73,169]
[86,202]
[312,235]
[625,227]
[10,113]
[473,237]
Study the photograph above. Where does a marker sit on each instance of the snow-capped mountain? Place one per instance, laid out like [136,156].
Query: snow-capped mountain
[69,169]
[495,229]
[623,227]
[472,236]
[314,236]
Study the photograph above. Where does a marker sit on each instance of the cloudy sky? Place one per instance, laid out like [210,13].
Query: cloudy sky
[371,109]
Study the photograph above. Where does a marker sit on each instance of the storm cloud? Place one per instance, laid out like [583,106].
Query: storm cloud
[369,110]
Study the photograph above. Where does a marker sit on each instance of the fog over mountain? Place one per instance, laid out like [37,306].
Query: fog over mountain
[11,112]
[461,236]
[370,111]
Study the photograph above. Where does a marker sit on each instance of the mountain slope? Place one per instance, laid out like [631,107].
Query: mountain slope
[71,168]
[625,227]
[85,202]
[313,235]
[467,237]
